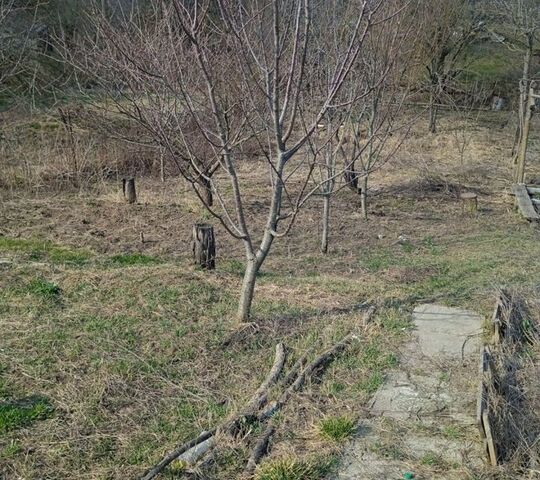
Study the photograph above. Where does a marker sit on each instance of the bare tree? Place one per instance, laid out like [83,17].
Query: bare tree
[515,24]
[357,135]
[248,62]
[379,124]
[449,27]
[14,45]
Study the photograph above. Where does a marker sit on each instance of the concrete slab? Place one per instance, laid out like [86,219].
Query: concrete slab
[433,388]
[447,331]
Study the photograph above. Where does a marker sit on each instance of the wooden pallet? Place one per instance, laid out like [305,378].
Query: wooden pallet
[524,201]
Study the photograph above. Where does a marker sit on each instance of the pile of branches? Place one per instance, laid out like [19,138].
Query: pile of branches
[259,411]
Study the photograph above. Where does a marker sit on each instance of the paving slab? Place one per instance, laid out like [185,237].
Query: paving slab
[424,412]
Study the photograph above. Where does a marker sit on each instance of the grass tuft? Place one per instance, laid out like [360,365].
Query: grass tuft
[293,469]
[337,428]
[44,289]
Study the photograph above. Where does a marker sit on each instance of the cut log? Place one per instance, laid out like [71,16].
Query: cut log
[128,188]
[350,177]
[524,202]
[469,202]
[204,246]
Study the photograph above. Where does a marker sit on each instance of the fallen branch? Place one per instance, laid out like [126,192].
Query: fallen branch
[193,450]
[318,364]
[293,372]
[153,472]
[260,449]
[259,397]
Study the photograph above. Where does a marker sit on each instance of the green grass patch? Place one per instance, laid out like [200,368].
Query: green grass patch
[11,450]
[294,469]
[452,431]
[21,413]
[44,289]
[371,384]
[44,250]
[233,267]
[337,428]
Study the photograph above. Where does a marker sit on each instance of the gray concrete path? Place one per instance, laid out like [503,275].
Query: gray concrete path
[422,419]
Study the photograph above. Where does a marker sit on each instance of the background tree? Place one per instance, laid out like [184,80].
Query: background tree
[516,24]
[379,125]
[449,28]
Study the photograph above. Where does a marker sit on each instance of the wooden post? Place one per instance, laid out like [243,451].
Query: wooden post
[469,202]
[204,246]
[128,188]
[519,174]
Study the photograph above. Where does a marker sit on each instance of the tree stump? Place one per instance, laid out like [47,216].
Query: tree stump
[469,202]
[204,246]
[128,188]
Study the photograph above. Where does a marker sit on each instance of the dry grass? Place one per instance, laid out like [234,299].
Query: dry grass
[128,349]
[514,394]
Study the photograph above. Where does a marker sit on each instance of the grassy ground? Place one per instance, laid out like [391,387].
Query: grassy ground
[113,351]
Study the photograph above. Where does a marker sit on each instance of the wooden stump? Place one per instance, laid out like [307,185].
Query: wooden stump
[469,203]
[128,188]
[204,246]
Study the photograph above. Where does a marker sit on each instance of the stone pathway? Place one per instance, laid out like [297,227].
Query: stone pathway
[422,419]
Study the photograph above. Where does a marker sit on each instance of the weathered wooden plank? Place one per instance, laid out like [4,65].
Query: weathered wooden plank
[533,190]
[491,446]
[524,202]
[482,392]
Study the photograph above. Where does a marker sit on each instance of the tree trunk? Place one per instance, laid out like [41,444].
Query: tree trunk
[363,197]
[519,174]
[433,110]
[350,178]
[162,165]
[248,289]
[206,191]
[325,223]
[523,92]
[204,246]
[128,188]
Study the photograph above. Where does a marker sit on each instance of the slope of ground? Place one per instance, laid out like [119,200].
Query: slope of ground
[113,351]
